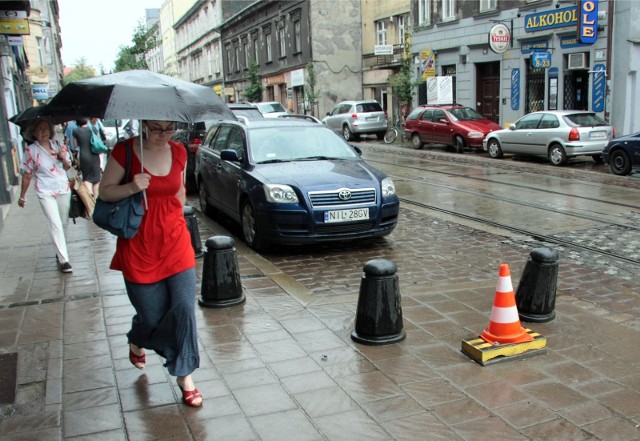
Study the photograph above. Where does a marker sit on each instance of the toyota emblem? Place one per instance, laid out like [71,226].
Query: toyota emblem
[344,194]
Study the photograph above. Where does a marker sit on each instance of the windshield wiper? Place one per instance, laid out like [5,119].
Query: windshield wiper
[273,161]
[312,158]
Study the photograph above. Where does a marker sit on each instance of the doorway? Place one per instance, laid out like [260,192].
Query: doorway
[576,89]
[488,90]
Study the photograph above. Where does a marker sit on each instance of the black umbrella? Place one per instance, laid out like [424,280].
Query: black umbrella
[32,114]
[138,94]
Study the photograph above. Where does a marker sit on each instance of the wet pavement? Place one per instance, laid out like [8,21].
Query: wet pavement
[282,366]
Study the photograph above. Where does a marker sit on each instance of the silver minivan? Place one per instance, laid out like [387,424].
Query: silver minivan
[354,118]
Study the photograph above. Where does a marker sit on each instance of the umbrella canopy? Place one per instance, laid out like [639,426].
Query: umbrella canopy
[138,94]
[32,114]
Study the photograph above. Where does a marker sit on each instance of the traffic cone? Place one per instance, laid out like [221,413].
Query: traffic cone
[504,324]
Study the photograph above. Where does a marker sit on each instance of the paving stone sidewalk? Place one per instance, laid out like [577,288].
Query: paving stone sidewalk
[282,366]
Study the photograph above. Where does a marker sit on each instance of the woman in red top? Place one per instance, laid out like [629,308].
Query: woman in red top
[158,263]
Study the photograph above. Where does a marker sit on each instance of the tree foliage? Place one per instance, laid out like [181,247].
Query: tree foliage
[80,71]
[402,82]
[310,90]
[133,57]
[254,91]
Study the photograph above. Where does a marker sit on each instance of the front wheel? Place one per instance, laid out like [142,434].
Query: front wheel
[620,163]
[416,142]
[249,227]
[390,136]
[459,144]
[495,151]
[557,156]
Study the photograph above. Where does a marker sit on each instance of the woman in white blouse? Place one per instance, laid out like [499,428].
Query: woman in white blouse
[47,161]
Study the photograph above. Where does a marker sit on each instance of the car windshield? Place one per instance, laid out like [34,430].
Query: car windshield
[465,114]
[584,120]
[283,144]
[271,107]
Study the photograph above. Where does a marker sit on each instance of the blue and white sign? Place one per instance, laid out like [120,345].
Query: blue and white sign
[588,21]
[553,72]
[541,60]
[526,47]
[598,87]
[515,89]
[39,92]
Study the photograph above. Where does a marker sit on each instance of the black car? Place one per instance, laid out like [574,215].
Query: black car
[191,137]
[290,181]
[623,154]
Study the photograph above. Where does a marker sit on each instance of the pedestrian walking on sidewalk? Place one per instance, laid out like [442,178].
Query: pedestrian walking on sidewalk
[88,161]
[158,263]
[47,161]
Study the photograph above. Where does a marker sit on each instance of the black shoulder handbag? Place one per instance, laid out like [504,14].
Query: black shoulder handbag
[121,218]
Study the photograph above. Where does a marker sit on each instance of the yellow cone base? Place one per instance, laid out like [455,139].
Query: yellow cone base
[486,353]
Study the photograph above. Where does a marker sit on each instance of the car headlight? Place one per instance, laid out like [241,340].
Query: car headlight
[280,194]
[475,135]
[388,189]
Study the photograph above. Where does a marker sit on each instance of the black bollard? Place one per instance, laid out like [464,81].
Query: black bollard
[192,224]
[536,294]
[379,313]
[221,285]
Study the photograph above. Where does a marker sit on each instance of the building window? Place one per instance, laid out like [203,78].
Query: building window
[450,71]
[237,50]
[247,54]
[40,51]
[488,5]
[401,30]
[267,38]
[283,43]
[255,50]
[296,37]
[448,10]
[209,62]
[229,59]
[424,12]
[381,32]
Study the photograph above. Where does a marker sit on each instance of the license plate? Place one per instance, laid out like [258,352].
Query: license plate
[597,135]
[355,214]
[372,118]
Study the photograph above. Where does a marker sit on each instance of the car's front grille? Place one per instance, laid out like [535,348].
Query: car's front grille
[344,228]
[342,197]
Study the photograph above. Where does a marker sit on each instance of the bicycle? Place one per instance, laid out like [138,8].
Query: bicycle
[392,133]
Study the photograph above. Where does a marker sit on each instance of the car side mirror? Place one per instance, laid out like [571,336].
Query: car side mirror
[512,126]
[229,155]
[357,149]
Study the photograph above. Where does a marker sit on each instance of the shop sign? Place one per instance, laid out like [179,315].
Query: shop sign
[383,49]
[598,87]
[558,18]
[277,79]
[229,91]
[526,47]
[39,92]
[541,60]
[515,89]
[218,89]
[427,64]
[499,38]
[297,78]
[15,40]
[570,41]
[14,26]
[588,21]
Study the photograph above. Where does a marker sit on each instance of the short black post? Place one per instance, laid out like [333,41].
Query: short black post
[379,313]
[221,285]
[536,294]
[192,224]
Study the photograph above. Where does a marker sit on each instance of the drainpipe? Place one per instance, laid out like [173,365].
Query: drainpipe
[607,90]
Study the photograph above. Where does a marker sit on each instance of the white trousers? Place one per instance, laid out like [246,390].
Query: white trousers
[56,210]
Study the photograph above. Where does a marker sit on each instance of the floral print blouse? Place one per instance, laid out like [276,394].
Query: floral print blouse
[49,173]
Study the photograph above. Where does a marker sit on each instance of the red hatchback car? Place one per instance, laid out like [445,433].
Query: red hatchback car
[453,125]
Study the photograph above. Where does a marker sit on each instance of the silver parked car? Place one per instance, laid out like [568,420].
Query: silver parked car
[354,118]
[557,135]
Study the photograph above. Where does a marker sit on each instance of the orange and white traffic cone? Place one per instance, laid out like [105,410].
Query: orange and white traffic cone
[504,324]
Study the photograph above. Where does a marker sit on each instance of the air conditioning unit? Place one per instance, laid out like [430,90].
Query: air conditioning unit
[577,61]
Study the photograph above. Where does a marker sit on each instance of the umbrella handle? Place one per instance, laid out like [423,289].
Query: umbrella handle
[144,192]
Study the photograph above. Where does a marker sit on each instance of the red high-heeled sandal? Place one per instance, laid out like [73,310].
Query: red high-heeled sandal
[139,361]
[189,396]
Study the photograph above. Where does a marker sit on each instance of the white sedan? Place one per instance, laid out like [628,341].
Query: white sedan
[557,135]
